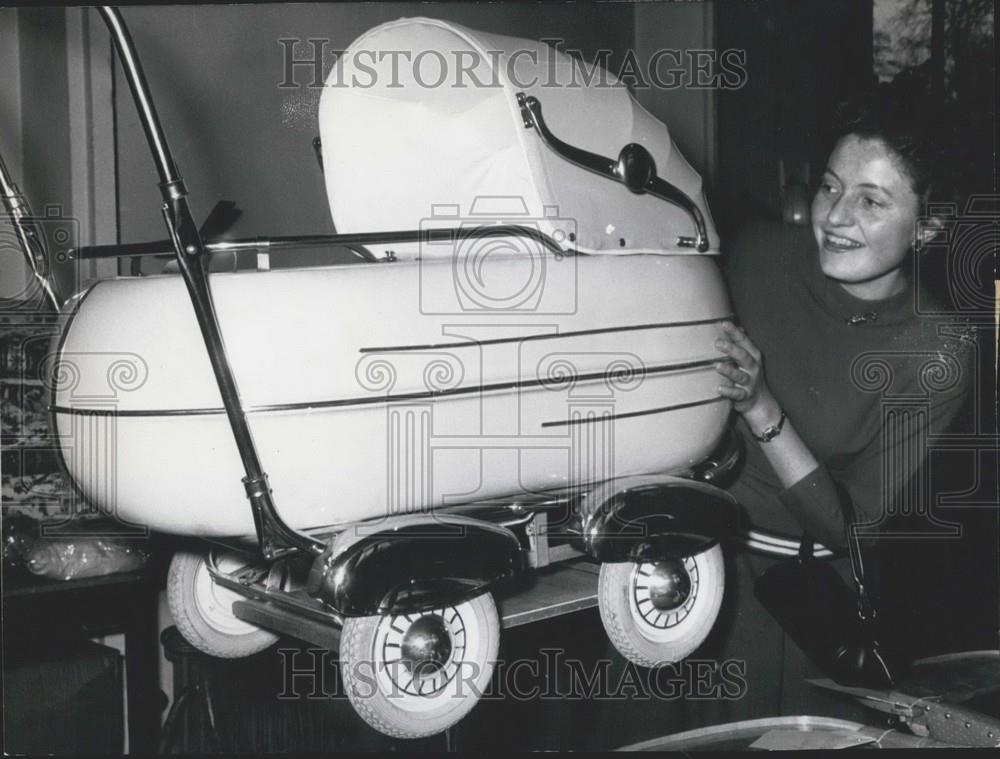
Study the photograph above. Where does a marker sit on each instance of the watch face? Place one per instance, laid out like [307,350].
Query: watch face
[772,431]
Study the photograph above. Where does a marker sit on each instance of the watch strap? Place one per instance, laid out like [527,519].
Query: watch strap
[770,432]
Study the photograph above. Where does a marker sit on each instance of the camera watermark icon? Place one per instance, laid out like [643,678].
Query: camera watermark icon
[962,251]
[49,238]
[485,420]
[497,259]
[85,390]
[919,393]
[595,375]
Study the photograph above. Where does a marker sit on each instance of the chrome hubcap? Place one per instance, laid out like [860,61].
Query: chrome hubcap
[669,585]
[422,653]
[426,646]
[664,592]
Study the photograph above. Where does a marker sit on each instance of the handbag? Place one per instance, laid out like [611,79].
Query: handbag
[834,625]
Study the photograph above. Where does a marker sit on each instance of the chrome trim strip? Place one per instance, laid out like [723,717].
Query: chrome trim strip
[138,412]
[629,414]
[554,335]
[401,397]
[446,235]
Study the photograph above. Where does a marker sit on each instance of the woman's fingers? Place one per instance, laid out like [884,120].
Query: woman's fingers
[739,336]
[736,352]
[733,372]
[733,392]
[743,367]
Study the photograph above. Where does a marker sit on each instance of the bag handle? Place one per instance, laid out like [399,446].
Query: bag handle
[866,610]
[882,676]
[805,548]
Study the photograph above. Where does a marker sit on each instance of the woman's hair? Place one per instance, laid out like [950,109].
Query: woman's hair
[913,128]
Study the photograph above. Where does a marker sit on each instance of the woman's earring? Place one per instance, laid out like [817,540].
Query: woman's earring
[924,232]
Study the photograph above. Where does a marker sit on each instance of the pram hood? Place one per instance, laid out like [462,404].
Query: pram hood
[421,128]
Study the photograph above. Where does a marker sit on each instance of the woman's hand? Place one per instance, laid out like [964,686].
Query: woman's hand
[749,392]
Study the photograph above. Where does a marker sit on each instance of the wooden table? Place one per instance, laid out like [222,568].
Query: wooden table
[118,603]
[557,589]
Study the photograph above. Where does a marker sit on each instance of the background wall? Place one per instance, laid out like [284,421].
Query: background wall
[689,110]
[801,59]
[36,154]
[56,137]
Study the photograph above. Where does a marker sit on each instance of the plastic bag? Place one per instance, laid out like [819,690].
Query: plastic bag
[71,558]
[19,534]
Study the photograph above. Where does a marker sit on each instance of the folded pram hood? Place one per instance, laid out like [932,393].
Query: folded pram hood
[421,127]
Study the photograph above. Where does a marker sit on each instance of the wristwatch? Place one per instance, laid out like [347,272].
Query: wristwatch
[770,432]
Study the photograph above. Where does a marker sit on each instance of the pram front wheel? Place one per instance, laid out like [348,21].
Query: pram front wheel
[660,612]
[203,610]
[414,675]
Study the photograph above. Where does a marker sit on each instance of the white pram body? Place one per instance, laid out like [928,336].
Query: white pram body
[455,372]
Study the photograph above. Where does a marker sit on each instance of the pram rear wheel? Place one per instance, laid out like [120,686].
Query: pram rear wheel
[414,675]
[660,612]
[203,610]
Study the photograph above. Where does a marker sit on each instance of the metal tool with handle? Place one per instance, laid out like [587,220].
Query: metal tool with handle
[948,723]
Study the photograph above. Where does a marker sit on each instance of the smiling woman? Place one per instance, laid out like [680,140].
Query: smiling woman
[858,376]
[864,218]
[847,305]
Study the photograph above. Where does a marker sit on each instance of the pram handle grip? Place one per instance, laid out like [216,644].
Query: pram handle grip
[634,167]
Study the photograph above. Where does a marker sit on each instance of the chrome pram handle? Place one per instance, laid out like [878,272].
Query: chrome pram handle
[31,242]
[634,168]
[275,537]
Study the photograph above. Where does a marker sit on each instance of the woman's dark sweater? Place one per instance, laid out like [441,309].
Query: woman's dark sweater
[864,383]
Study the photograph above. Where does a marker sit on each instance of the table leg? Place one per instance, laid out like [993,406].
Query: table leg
[144,698]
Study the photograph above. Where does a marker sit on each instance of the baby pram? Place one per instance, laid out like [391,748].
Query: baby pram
[527,339]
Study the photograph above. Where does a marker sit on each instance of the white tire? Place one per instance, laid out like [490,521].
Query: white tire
[203,611]
[416,675]
[652,636]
